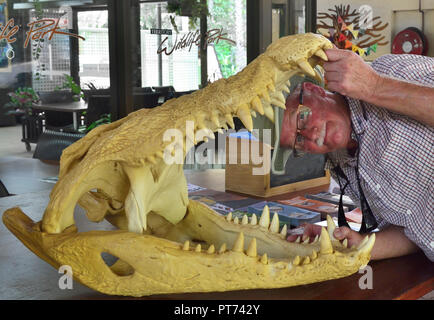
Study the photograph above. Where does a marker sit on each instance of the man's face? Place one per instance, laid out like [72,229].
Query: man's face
[327,129]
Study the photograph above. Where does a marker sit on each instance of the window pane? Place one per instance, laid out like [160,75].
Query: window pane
[179,64]
[94,52]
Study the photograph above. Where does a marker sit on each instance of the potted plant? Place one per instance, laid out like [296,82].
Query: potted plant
[20,105]
[189,8]
[75,89]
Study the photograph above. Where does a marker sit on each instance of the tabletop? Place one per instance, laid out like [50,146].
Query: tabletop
[72,106]
[24,276]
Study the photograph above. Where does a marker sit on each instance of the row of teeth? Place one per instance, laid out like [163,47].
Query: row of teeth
[273,227]
[325,248]
[250,252]
[262,103]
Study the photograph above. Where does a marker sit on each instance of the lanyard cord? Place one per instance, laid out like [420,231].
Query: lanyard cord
[368,220]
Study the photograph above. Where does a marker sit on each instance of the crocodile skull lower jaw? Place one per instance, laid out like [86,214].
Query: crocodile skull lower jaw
[120,172]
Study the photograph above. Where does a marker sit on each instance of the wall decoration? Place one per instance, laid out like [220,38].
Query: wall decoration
[356,30]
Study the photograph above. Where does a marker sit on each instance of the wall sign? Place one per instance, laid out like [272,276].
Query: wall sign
[193,38]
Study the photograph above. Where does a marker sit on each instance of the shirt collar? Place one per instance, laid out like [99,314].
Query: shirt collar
[357,114]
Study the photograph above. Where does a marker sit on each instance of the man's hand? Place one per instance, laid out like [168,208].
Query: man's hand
[312,230]
[348,74]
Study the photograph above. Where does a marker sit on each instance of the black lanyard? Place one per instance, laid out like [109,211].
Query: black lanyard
[369,222]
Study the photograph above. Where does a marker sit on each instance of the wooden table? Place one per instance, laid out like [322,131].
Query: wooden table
[24,276]
[73,107]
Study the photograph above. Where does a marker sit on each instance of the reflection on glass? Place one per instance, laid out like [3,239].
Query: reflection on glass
[180,67]
[94,52]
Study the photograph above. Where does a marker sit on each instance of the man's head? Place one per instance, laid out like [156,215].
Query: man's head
[326,129]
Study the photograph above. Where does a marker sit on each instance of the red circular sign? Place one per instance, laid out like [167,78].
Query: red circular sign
[408,41]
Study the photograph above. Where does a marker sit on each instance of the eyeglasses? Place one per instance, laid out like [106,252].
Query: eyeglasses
[302,118]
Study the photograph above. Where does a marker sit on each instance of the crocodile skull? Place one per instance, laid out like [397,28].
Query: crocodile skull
[166,243]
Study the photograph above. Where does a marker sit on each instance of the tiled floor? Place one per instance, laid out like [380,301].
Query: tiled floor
[16,166]
[11,145]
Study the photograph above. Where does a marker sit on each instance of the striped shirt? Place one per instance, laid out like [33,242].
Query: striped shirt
[396,157]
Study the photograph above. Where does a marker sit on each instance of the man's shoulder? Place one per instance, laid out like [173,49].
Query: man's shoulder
[406,66]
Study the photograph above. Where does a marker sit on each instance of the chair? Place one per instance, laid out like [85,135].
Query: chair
[51,144]
[148,100]
[97,106]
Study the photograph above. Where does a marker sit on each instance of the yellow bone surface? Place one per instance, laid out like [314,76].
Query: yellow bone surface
[166,243]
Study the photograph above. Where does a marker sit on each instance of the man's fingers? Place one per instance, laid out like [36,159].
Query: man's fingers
[336,54]
[342,233]
[332,66]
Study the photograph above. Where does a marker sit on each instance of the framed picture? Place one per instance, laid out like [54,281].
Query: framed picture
[5,47]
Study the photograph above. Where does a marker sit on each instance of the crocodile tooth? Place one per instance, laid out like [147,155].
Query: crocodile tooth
[271,87]
[254,220]
[257,105]
[215,119]
[210,134]
[306,68]
[264,259]
[251,250]
[200,122]
[284,231]
[230,120]
[239,243]
[288,83]
[198,248]
[229,217]
[314,255]
[316,239]
[219,130]
[151,159]
[222,248]
[245,220]
[278,103]
[296,261]
[186,246]
[361,244]
[159,154]
[321,54]
[264,221]
[211,249]
[306,240]
[279,95]
[265,95]
[298,239]
[268,111]
[345,243]
[286,88]
[236,220]
[325,242]
[274,227]
[225,126]
[331,227]
[243,114]
[253,113]
[306,260]
[367,247]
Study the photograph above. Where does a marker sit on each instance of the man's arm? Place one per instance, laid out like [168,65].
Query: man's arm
[389,243]
[348,74]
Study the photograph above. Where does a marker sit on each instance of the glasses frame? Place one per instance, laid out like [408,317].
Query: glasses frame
[305,109]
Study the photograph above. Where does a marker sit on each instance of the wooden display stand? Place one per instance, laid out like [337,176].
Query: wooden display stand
[240,169]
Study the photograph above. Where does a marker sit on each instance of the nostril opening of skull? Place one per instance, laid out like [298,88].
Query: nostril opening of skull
[116,265]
